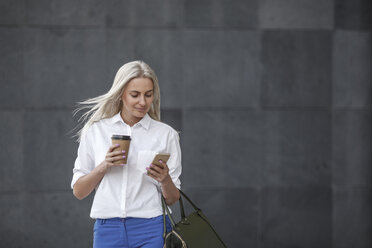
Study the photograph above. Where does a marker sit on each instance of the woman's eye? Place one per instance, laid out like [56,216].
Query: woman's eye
[148,95]
[134,95]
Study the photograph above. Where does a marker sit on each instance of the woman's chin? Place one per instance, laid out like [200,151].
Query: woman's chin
[139,114]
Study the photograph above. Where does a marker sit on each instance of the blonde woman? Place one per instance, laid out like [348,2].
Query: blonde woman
[127,201]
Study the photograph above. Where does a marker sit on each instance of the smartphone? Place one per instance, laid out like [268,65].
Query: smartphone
[160,156]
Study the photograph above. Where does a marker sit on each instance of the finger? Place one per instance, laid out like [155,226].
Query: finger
[116,158]
[156,168]
[113,147]
[153,172]
[152,176]
[161,164]
[164,164]
[163,170]
[115,153]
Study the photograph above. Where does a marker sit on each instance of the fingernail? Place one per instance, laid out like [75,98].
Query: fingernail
[147,168]
[122,164]
[123,151]
[161,161]
[117,145]
[124,156]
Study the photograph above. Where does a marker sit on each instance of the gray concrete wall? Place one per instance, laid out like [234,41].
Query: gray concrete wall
[273,99]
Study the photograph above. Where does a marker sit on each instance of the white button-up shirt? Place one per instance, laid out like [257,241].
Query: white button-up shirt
[127,191]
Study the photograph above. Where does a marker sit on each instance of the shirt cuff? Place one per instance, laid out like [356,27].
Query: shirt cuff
[177,183]
[76,177]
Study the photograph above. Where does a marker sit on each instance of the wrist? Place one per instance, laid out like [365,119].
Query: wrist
[102,168]
[167,181]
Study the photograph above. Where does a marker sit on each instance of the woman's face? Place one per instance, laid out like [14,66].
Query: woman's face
[137,99]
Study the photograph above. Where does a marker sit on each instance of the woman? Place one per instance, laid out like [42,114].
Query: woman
[127,202]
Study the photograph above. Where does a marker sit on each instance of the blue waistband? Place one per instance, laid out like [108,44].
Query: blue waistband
[113,220]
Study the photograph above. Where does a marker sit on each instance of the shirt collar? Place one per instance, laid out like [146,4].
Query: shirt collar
[144,122]
[116,118]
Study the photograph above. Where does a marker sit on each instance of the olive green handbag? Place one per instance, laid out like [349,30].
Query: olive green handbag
[192,231]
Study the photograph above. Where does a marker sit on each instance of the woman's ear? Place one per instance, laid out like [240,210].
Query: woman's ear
[120,104]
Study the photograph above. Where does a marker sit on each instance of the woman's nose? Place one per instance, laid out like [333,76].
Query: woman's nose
[142,101]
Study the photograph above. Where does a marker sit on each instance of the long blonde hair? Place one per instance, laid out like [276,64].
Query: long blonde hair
[109,104]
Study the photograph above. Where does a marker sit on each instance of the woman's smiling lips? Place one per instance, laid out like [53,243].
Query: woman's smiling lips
[140,109]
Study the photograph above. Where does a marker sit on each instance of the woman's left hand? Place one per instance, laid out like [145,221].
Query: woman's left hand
[160,174]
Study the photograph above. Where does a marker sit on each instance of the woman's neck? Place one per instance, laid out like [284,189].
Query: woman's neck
[128,120]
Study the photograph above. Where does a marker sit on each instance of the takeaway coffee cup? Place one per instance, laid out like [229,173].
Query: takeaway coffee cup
[124,142]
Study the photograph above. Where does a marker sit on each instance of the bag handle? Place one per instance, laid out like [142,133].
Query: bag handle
[188,199]
[184,220]
[182,209]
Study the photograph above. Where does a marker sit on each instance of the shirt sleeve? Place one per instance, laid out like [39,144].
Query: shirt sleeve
[174,162]
[84,162]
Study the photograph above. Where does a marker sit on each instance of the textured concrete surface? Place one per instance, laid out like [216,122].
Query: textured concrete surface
[296,68]
[353,15]
[145,13]
[352,72]
[11,68]
[272,100]
[12,151]
[70,12]
[220,13]
[352,141]
[48,131]
[63,66]
[211,81]
[301,14]
[351,215]
[293,216]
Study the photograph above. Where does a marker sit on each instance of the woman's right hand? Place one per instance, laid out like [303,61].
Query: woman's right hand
[113,156]
[86,184]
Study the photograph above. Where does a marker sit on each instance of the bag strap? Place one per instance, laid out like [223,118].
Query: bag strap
[165,209]
[188,199]
[164,225]
[182,209]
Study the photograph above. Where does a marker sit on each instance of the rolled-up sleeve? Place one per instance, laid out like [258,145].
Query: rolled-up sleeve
[174,162]
[84,163]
